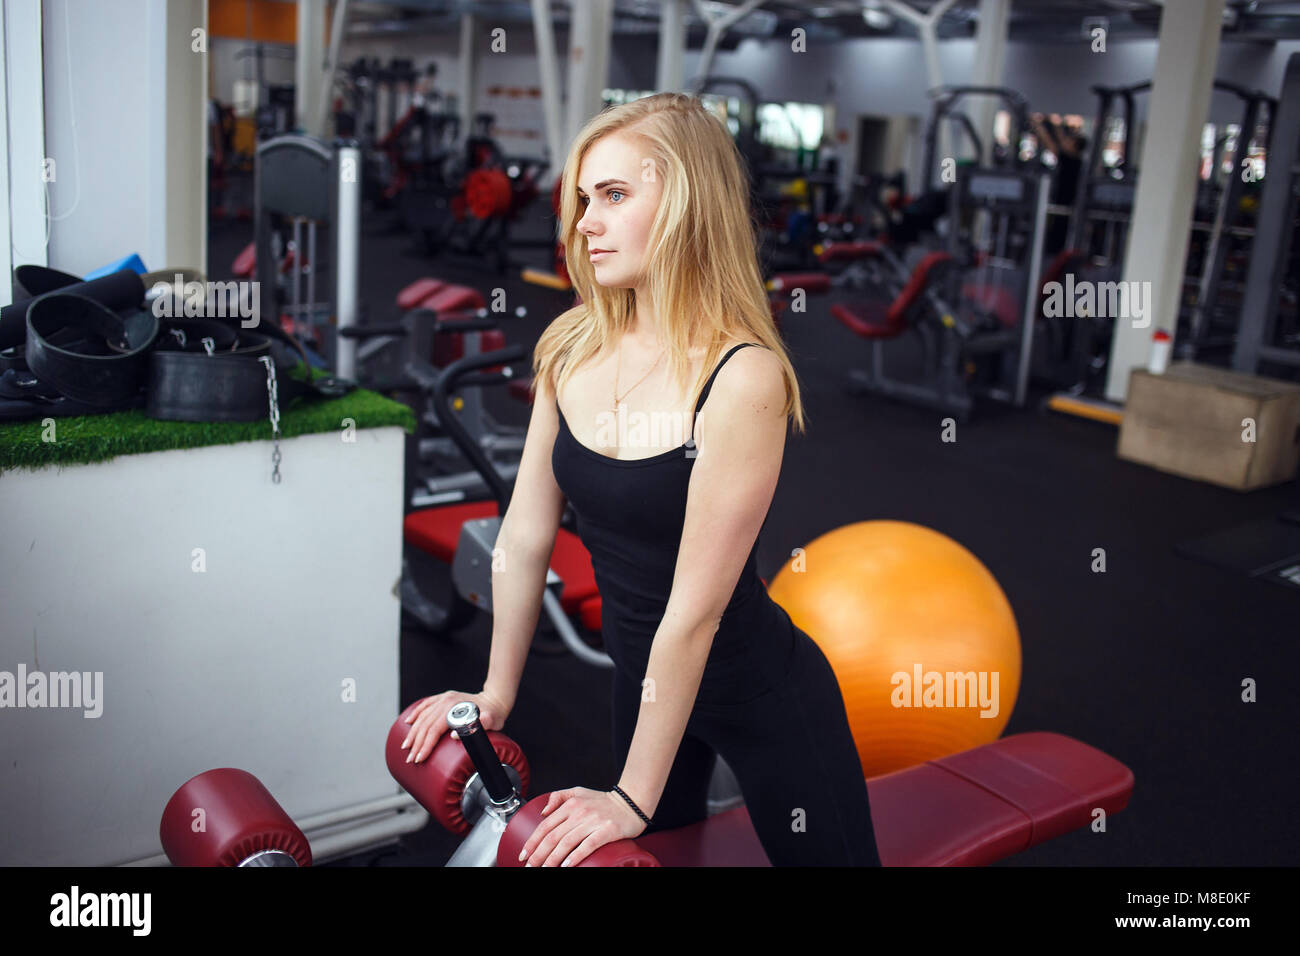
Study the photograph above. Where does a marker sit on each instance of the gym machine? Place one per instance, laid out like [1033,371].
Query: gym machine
[274,114]
[304,186]
[999,296]
[1269,332]
[1222,234]
[1230,234]
[945,110]
[972,308]
[977,302]
[302,183]
[462,536]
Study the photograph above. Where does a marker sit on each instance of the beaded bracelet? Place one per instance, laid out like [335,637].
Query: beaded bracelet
[619,791]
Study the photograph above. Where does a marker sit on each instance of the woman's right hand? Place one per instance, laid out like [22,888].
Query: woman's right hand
[429,719]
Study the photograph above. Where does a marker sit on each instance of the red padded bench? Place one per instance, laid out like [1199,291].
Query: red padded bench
[968,809]
[412,295]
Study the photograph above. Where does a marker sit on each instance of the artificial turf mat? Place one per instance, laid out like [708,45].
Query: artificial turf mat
[83,439]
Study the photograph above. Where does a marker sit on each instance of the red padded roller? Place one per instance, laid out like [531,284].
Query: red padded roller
[438,782]
[239,818]
[526,820]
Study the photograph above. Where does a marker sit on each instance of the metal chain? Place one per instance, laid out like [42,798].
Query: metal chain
[271,392]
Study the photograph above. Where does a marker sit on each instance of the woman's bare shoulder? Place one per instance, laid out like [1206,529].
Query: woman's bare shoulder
[752,379]
[752,370]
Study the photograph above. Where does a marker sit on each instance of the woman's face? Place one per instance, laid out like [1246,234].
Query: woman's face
[618,191]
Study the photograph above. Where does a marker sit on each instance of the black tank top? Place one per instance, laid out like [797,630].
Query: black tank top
[630,516]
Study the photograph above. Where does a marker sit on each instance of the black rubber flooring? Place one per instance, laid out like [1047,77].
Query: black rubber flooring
[1145,661]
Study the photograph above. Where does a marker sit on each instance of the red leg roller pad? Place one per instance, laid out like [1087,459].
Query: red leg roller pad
[529,816]
[222,817]
[438,782]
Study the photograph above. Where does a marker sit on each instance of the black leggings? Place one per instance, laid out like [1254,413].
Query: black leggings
[776,716]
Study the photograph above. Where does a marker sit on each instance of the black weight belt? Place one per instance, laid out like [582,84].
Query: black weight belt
[209,370]
[81,356]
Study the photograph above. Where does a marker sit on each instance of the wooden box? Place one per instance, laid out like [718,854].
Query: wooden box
[1192,421]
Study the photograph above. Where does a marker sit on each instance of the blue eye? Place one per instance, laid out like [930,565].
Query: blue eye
[586,199]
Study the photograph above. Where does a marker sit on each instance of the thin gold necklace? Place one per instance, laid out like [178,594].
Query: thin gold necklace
[618,371]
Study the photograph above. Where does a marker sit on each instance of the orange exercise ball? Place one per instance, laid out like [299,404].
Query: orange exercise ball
[920,636]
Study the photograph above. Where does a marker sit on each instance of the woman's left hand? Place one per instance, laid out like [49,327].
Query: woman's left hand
[576,823]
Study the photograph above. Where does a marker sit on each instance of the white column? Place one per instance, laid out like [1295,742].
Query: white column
[347,254]
[22,140]
[544,39]
[990,57]
[468,104]
[717,28]
[338,23]
[308,64]
[1166,189]
[149,199]
[185,135]
[669,75]
[925,24]
[589,39]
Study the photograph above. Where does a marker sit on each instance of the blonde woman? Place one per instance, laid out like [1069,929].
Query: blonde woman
[660,414]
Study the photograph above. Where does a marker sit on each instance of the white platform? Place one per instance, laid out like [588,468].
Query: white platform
[241,665]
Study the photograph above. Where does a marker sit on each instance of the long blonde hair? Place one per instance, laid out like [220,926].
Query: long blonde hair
[701,257]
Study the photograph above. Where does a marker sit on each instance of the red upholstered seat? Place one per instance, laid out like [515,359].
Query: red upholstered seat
[452,298]
[968,809]
[436,532]
[927,271]
[572,562]
[876,320]
[589,613]
[996,301]
[867,319]
[415,293]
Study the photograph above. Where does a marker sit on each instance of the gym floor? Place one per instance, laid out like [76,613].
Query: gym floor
[1144,661]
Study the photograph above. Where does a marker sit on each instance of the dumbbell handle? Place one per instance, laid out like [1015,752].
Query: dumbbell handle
[463,718]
